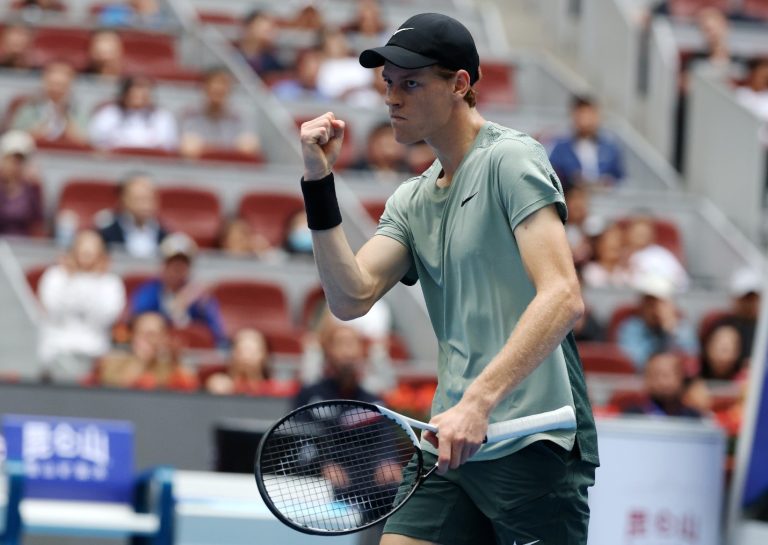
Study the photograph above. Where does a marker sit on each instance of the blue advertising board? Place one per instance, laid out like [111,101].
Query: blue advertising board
[72,458]
[756,482]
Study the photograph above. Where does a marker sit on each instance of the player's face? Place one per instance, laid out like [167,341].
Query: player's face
[420,102]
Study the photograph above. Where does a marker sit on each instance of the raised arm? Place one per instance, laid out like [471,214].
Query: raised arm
[352,283]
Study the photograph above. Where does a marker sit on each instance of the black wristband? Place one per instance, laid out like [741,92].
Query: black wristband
[321,204]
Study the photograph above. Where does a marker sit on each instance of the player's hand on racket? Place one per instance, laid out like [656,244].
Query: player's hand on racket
[462,430]
[321,140]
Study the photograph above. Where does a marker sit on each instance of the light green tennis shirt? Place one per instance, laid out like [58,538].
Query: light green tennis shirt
[463,249]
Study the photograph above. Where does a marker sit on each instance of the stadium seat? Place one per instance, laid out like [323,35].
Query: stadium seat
[211,17]
[195,335]
[602,357]
[495,85]
[667,235]
[310,308]
[131,281]
[268,213]
[33,275]
[231,156]
[375,209]
[193,211]
[622,399]
[284,342]
[144,152]
[619,314]
[250,303]
[86,197]
[708,320]
[755,8]
[70,43]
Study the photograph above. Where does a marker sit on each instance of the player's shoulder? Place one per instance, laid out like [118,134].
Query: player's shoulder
[506,142]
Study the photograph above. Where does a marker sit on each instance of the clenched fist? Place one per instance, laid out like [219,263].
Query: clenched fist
[320,145]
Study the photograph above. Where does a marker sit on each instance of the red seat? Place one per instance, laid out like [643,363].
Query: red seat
[146,152]
[268,213]
[148,46]
[619,314]
[195,335]
[86,197]
[193,211]
[231,156]
[132,281]
[667,235]
[495,85]
[601,357]
[216,17]
[52,43]
[755,8]
[251,303]
[375,209]
[708,321]
[33,275]
[624,399]
[309,309]
[284,342]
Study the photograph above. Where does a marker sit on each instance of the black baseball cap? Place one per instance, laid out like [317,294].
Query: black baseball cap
[427,39]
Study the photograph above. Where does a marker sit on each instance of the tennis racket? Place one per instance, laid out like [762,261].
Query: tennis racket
[336,467]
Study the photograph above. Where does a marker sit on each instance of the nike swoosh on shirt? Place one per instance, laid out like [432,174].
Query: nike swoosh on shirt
[531,543]
[465,201]
[402,29]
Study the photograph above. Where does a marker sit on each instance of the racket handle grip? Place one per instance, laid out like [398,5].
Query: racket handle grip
[563,418]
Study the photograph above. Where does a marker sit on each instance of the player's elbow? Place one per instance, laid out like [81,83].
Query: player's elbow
[348,309]
[573,304]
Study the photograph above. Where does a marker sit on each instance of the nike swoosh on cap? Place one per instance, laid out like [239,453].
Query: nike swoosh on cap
[402,29]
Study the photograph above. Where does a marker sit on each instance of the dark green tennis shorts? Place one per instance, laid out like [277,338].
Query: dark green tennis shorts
[536,495]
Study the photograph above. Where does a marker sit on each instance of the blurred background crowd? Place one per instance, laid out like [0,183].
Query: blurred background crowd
[149,200]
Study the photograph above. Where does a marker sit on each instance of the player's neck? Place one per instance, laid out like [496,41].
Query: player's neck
[454,140]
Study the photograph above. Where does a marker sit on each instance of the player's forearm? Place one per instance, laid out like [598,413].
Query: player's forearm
[348,292]
[542,327]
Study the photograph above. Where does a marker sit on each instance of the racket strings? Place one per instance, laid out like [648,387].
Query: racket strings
[350,445]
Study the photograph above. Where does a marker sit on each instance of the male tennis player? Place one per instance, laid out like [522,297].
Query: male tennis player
[482,229]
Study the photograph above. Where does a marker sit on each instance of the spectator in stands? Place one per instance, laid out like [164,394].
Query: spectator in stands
[41,5]
[135,225]
[754,94]
[342,360]
[21,208]
[51,114]
[587,155]
[340,73]
[308,18]
[303,84]
[419,157]
[609,267]
[580,226]
[368,20]
[298,236]
[151,362]
[81,300]
[369,96]
[664,388]
[248,369]
[360,345]
[239,239]
[133,120]
[215,125]
[105,54]
[135,13]
[180,300]
[383,154]
[647,257]
[721,354]
[15,46]
[658,325]
[746,287]
[257,43]
[697,395]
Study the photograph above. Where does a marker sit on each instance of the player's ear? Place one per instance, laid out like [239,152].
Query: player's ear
[462,85]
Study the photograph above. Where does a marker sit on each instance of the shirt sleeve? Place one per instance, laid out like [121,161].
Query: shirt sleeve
[527,181]
[393,224]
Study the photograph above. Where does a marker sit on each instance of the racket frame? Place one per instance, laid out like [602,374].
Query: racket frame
[399,419]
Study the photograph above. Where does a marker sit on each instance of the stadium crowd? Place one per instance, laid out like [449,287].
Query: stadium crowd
[101,330]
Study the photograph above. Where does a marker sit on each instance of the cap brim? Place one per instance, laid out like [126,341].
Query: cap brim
[371,58]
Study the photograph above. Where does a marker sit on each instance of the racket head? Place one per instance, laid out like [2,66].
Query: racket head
[294,454]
